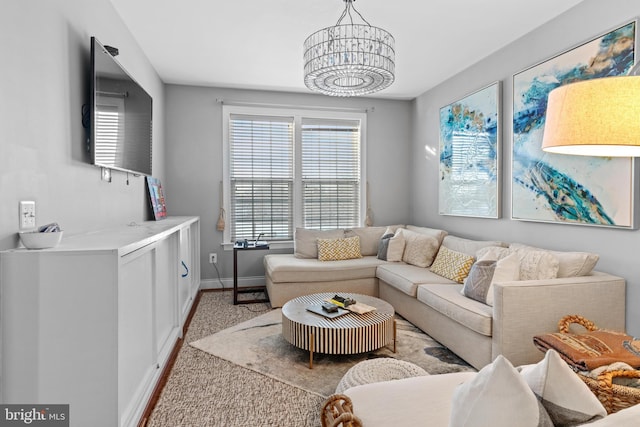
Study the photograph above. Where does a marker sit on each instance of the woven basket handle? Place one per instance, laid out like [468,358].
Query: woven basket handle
[566,321]
[605,379]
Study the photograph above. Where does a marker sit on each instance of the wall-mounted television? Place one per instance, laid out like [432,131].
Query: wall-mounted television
[120,128]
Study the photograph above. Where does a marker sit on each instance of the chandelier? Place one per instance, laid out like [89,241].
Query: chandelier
[349,59]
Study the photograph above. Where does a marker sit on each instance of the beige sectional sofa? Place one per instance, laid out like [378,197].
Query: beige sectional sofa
[475,331]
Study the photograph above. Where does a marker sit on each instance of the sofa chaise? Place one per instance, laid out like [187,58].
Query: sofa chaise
[521,307]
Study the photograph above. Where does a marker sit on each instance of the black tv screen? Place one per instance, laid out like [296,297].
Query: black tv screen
[120,117]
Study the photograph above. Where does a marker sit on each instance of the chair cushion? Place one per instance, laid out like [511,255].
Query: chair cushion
[448,300]
[406,277]
[468,246]
[305,242]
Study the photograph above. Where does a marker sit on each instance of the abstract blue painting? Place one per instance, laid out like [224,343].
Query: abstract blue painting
[469,155]
[563,188]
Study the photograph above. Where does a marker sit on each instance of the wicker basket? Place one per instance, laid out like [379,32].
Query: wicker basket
[613,397]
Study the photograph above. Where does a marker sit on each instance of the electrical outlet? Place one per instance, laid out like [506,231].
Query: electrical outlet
[27,214]
[213,258]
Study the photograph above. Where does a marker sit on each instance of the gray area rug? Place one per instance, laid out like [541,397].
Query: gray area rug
[257,344]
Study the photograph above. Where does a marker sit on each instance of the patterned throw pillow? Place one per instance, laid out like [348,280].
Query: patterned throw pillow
[339,249]
[486,272]
[452,265]
[419,249]
[478,283]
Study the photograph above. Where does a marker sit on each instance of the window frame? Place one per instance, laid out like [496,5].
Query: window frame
[298,113]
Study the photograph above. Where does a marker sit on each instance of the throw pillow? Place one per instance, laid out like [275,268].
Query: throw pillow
[571,264]
[452,265]
[306,241]
[383,246]
[420,249]
[396,246]
[339,249]
[493,252]
[537,265]
[486,272]
[567,399]
[499,397]
[478,284]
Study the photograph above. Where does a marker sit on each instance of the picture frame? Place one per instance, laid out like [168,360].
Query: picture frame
[156,198]
[469,155]
[559,188]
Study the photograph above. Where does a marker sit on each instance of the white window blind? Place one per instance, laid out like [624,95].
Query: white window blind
[261,177]
[330,169]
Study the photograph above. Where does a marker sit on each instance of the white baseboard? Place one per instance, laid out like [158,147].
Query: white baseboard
[227,282]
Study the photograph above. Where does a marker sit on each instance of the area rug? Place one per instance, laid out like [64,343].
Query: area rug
[257,344]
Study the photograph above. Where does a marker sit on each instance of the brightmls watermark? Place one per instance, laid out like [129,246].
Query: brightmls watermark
[34,415]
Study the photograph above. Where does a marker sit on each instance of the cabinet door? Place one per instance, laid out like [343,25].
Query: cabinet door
[136,348]
[165,296]
[186,271]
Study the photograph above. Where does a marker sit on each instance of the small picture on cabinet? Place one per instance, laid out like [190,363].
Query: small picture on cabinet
[156,198]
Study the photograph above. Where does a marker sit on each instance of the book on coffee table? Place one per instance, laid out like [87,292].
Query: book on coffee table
[360,308]
[317,308]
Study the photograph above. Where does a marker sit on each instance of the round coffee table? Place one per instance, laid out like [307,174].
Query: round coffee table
[350,333]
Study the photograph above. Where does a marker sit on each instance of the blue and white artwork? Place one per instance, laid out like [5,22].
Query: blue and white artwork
[564,188]
[469,155]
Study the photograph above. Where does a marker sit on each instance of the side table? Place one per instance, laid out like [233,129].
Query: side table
[251,289]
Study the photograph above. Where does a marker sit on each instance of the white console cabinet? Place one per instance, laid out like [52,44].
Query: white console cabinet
[92,322]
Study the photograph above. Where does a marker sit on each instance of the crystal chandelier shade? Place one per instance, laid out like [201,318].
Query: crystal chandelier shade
[349,59]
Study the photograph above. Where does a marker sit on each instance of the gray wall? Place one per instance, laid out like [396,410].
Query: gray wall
[44,80]
[194,166]
[618,248]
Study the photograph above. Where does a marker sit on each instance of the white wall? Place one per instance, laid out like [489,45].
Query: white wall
[194,159]
[44,81]
[618,248]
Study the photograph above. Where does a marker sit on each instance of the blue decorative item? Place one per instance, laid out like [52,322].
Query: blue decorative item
[562,188]
[469,155]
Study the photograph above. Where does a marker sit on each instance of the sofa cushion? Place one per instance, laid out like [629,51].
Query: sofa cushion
[571,264]
[369,238]
[567,399]
[468,246]
[452,264]
[448,300]
[339,249]
[286,268]
[411,401]
[419,249]
[305,244]
[407,277]
[498,396]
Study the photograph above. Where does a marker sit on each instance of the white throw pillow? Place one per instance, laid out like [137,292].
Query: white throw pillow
[396,247]
[571,264]
[498,397]
[567,399]
[537,265]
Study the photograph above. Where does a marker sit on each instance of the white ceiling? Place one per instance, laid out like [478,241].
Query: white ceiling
[257,44]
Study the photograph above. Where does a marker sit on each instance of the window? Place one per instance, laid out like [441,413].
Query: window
[286,169]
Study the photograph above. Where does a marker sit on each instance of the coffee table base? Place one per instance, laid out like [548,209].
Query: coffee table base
[312,341]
